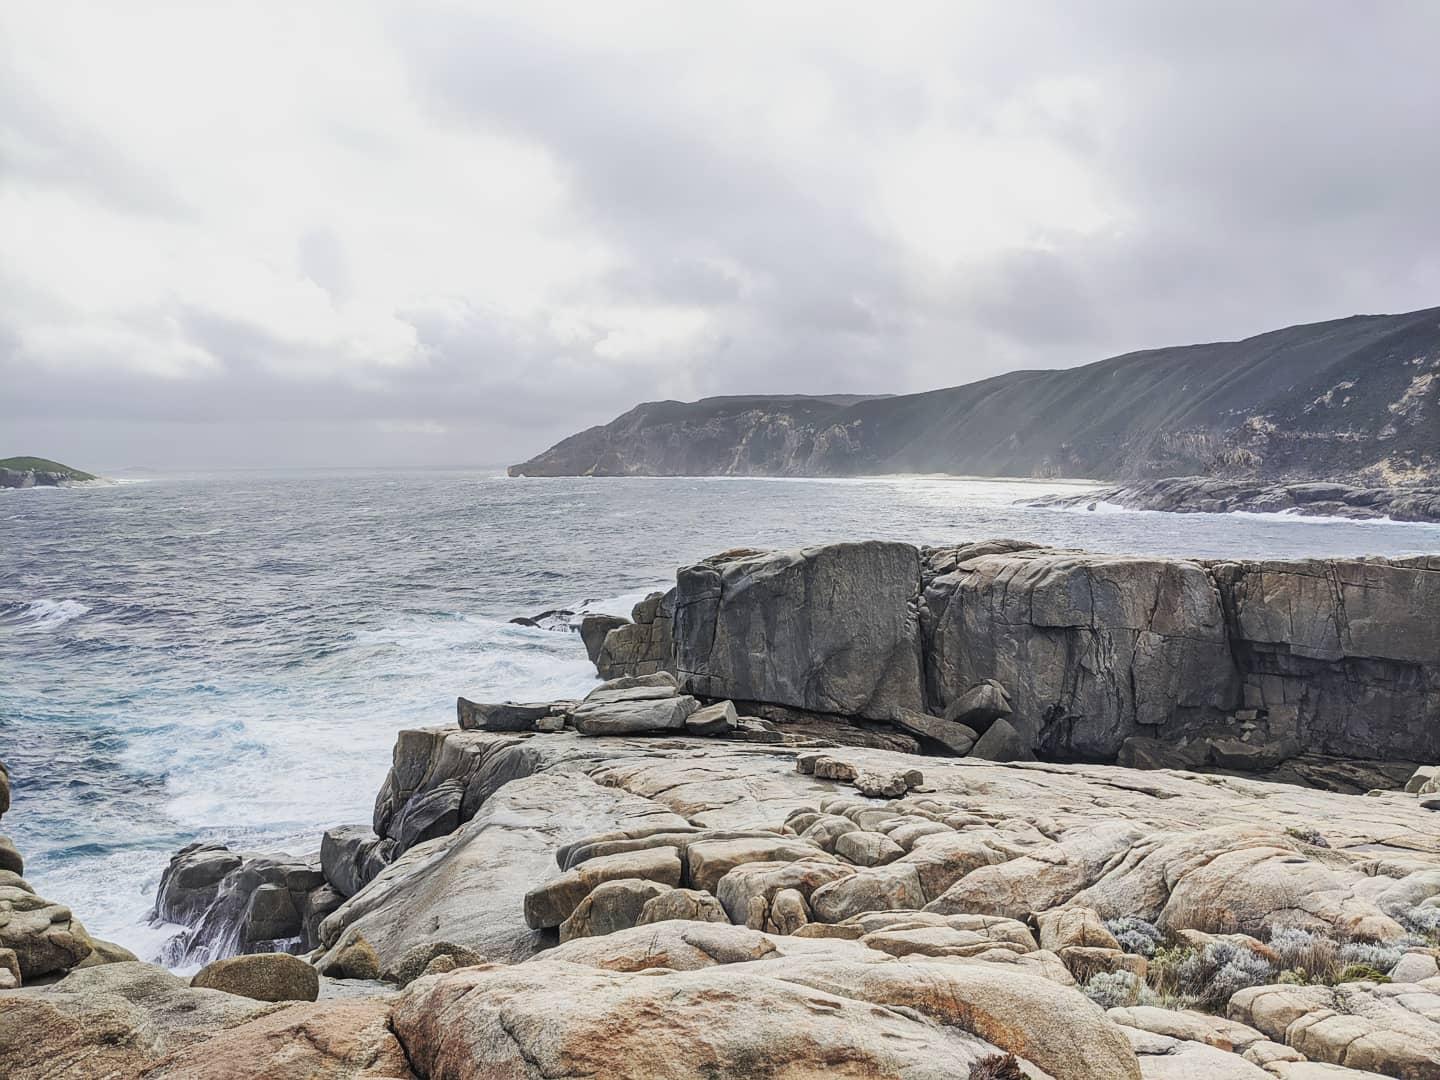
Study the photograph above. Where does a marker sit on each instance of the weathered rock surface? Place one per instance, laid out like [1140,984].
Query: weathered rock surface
[644,645]
[829,629]
[131,1020]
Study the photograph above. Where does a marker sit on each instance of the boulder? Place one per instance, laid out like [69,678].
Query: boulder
[261,976]
[766,880]
[555,901]
[38,931]
[690,905]
[707,861]
[714,719]
[356,958]
[611,906]
[1001,742]
[895,887]
[828,768]
[502,716]
[631,717]
[882,785]
[9,857]
[833,629]
[1415,967]
[593,629]
[641,647]
[980,706]
[1065,927]
[954,737]
[10,976]
[827,829]
[868,848]
[1422,776]
[351,856]
[788,912]
[420,960]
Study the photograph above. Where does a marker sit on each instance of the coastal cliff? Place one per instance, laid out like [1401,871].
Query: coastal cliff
[845,810]
[1354,399]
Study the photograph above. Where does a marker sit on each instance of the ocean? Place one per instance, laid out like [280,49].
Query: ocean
[229,656]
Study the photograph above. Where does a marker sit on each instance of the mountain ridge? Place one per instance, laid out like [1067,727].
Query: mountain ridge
[1357,398]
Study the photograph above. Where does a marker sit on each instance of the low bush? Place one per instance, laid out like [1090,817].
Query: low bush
[1136,935]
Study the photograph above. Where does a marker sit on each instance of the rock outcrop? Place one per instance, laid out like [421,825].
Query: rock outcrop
[28,472]
[1009,650]
[667,905]
[1219,495]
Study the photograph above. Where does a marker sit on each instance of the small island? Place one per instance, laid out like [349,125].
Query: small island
[27,472]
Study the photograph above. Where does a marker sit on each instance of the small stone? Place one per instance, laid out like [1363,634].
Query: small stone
[423,958]
[828,768]
[881,785]
[805,763]
[550,724]
[714,719]
[502,716]
[261,976]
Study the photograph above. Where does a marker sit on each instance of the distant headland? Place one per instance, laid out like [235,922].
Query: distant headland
[26,472]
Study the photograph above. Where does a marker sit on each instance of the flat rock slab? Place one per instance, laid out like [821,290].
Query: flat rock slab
[634,716]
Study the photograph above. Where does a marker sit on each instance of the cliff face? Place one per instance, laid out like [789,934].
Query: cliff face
[1356,397]
[1092,652]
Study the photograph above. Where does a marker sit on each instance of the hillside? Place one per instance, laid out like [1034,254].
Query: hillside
[1355,398]
[23,472]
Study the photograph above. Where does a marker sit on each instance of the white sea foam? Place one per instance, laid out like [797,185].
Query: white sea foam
[49,614]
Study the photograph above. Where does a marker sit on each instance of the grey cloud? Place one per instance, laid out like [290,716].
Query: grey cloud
[1271,164]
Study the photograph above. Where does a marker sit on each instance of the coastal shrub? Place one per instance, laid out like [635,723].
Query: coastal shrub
[1135,935]
[1222,969]
[1424,921]
[1305,951]
[1163,974]
[1113,989]
[1381,956]
[1307,834]
[1361,973]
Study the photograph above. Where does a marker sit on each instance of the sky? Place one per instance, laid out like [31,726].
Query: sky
[450,234]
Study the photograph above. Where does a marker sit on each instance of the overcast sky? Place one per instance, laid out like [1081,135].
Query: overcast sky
[426,233]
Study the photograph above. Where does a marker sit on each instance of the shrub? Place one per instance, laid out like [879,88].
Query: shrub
[1307,834]
[1305,951]
[1424,921]
[1135,935]
[1112,989]
[1222,969]
[997,1067]
[1361,973]
[1379,957]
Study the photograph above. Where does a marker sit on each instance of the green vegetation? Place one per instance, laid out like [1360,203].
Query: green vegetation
[40,464]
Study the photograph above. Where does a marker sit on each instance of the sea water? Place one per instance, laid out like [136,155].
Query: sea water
[228,657]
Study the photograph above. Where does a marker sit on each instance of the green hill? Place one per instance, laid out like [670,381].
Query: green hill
[38,472]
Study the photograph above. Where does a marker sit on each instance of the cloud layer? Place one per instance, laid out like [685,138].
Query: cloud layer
[444,232]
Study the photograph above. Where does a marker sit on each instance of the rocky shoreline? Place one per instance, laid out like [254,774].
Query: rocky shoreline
[1217,495]
[815,823]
